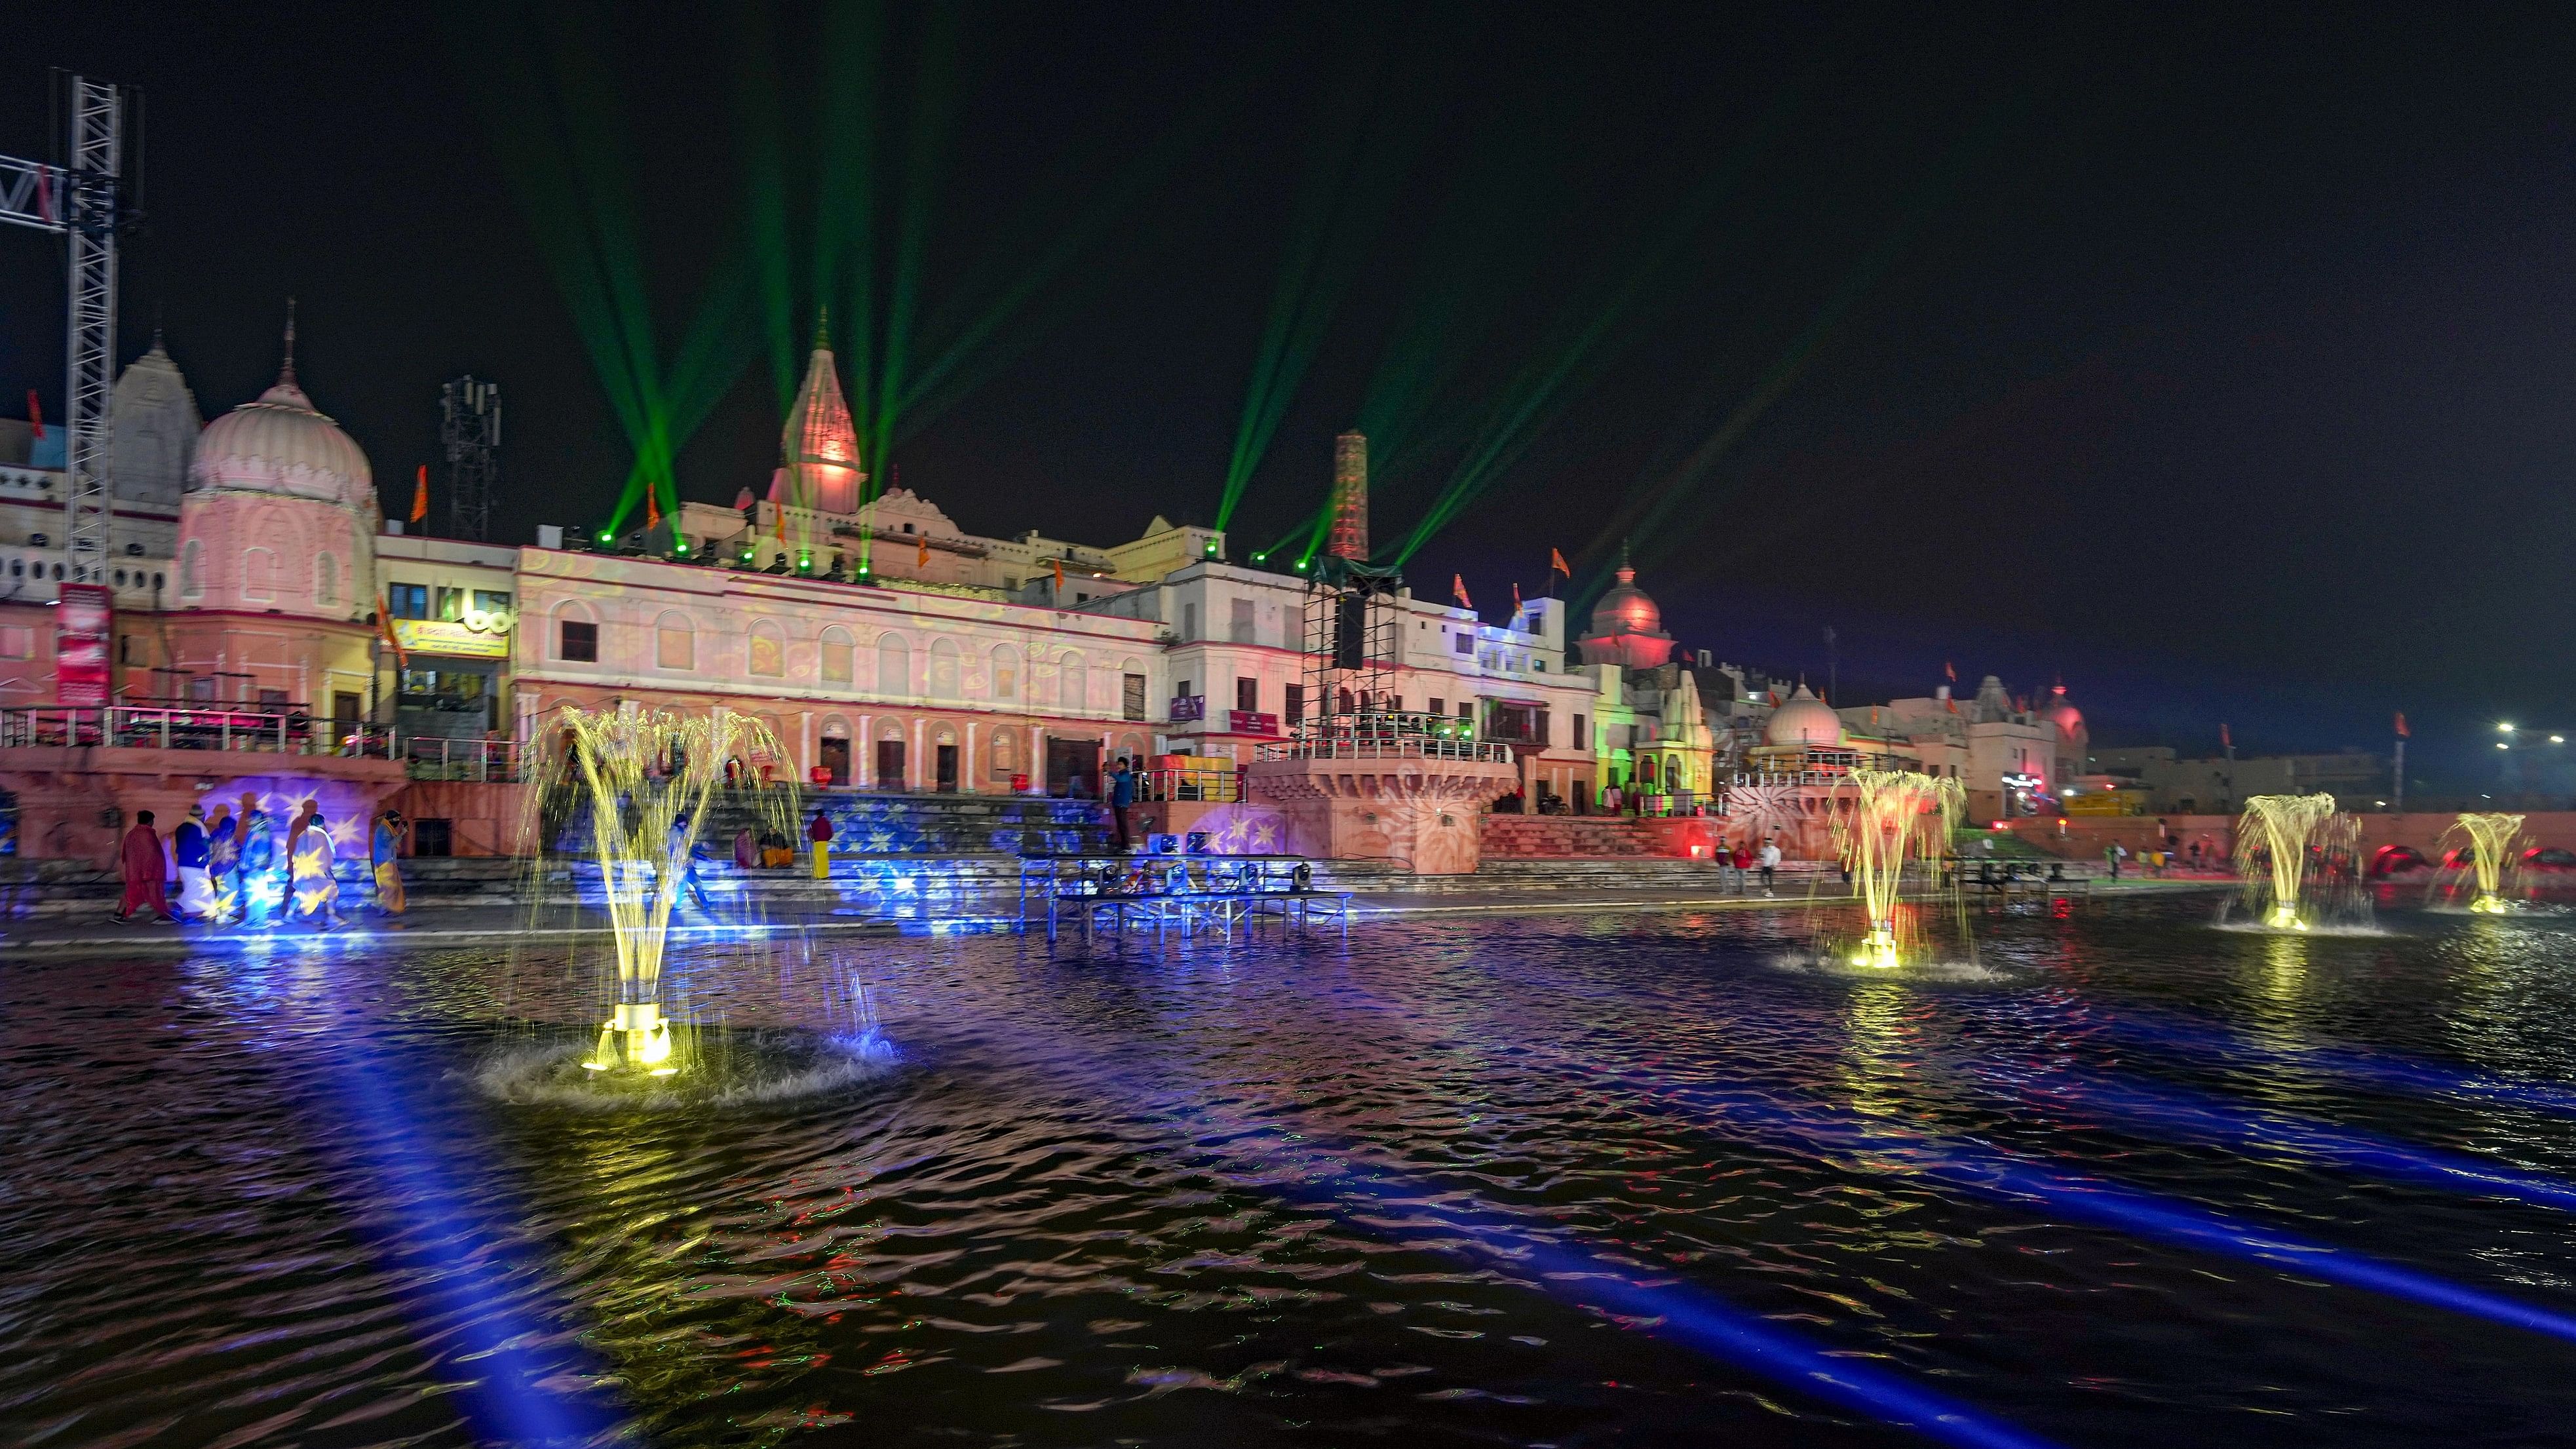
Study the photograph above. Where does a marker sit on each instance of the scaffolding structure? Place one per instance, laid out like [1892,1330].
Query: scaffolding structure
[1351,635]
[82,199]
[470,426]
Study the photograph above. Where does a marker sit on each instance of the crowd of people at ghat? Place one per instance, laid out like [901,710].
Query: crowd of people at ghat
[231,868]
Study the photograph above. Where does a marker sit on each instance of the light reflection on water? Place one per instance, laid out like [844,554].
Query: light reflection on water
[1084,1204]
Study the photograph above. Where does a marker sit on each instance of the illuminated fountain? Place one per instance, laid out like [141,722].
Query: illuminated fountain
[648,777]
[2490,840]
[2283,844]
[1897,813]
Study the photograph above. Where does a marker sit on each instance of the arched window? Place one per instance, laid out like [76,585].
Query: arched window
[837,652]
[1073,690]
[768,651]
[576,634]
[192,564]
[1006,672]
[326,580]
[894,665]
[675,642]
[1006,751]
[259,573]
[943,669]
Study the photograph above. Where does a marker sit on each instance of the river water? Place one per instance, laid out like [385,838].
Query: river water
[2110,1178]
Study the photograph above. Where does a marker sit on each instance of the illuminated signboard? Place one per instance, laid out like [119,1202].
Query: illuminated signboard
[84,622]
[479,635]
[1187,707]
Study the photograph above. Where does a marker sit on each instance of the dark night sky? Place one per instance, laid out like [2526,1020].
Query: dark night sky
[2220,360]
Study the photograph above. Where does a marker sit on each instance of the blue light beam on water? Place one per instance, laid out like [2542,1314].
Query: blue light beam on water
[2210,1120]
[443,1245]
[2379,1069]
[1992,1174]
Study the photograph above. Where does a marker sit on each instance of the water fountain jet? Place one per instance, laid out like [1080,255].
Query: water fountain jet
[647,777]
[2275,841]
[1895,813]
[2490,838]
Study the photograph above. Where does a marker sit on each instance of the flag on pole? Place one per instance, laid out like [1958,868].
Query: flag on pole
[1516,601]
[1556,562]
[385,628]
[778,513]
[1059,579]
[420,494]
[921,559]
[1458,589]
[652,504]
[2401,726]
[2224,742]
[1950,670]
[35,413]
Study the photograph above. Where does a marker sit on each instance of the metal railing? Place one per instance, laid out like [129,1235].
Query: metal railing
[1217,785]
[220,728]
[1401,747]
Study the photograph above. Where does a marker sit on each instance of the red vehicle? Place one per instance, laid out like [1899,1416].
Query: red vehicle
[2397,859]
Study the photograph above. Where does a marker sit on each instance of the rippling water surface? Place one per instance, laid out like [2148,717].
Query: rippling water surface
[2115,1179]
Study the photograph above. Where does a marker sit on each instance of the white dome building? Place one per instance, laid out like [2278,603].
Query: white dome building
[1804,720]
[280,512]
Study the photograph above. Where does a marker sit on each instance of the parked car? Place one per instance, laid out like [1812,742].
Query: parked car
[2550,857]
[2397,859]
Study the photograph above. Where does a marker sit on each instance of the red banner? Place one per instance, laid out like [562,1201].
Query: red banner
[83,625]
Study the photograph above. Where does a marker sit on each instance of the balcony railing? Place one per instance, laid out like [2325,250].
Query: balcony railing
[218,727]
[1399,747]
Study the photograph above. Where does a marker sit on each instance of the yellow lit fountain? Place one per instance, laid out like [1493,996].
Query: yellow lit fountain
[647,777]
[1897,813]
[2490,839]
[2277,841]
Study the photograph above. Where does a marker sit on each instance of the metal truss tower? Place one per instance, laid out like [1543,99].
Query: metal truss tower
[82,201]
[470,425]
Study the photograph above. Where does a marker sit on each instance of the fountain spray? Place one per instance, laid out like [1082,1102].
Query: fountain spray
[648,777]
[1897,812]
[2491,839]
[2273,845]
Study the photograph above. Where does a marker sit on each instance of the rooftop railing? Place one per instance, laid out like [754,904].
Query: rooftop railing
[1394,747]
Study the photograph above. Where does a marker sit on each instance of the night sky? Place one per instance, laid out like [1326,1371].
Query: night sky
[2222,362]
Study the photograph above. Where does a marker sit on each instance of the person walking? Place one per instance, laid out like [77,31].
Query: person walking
[384,852]
[188,852]
[258,861]
[223,865]
[682,869]
[312,871]
[1122,797]
[304,819]
[2111,853]
[820,832]
[145,869]
[1743,869]
[1770,863]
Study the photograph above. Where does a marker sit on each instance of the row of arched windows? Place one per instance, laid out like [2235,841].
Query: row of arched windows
[260,573]
[765,656]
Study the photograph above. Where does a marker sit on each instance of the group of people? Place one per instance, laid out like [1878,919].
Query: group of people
[1737,864]
[231,871]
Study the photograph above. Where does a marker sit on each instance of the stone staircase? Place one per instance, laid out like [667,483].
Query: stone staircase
[868,823]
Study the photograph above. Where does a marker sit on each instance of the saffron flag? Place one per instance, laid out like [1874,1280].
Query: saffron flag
[420,494]
[2224,742]
[1458,588]
[1950,670]
[1516,600]
[2401,726]
[652,507]
[922,559]
[1059,578]
[35,413]
[778,511]
[1556,561]
[385,628]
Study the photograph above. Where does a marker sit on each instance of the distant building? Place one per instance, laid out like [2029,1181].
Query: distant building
[2221,786]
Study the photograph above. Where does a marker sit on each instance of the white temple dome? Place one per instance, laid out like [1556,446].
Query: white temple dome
[282,444]
[1804,720]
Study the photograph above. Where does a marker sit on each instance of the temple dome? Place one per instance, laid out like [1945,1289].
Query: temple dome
[1627,627]
[282,444]
[1804,720]
[2061,712]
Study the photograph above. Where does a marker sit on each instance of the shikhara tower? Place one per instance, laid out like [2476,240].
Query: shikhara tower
[818,453]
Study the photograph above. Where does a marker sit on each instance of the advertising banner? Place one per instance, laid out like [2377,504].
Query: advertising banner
[83,624]
[454,639]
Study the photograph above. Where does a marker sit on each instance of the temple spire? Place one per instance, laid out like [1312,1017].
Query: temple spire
[818,450]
